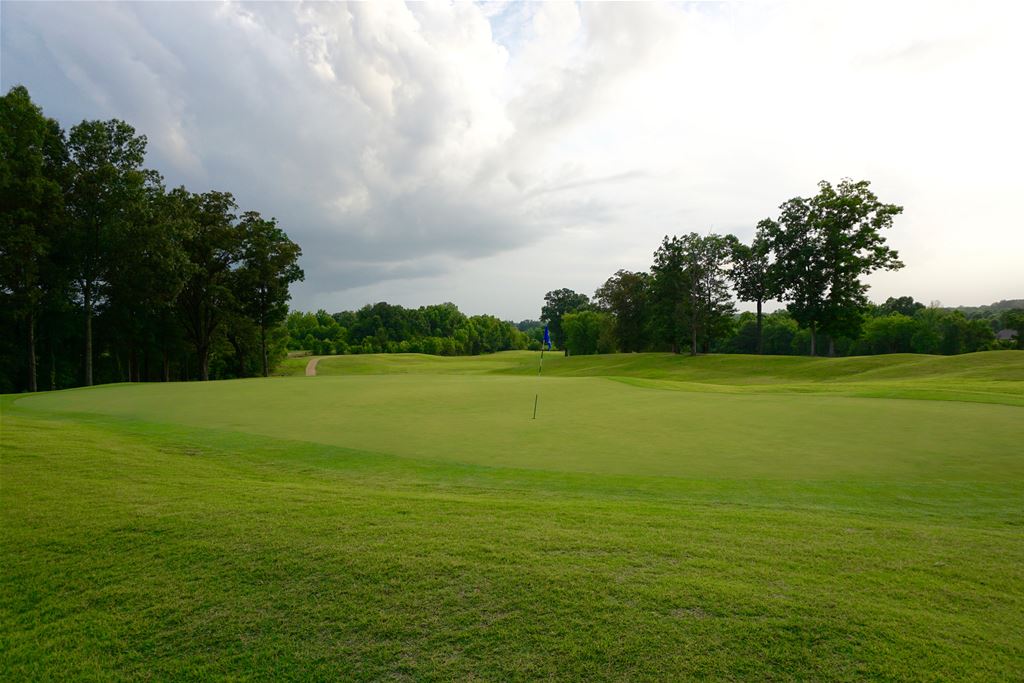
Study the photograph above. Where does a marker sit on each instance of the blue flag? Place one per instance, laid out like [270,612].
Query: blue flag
[547,338]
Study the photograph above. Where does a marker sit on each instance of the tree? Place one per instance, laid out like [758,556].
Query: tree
[150,272]
[1013,319]
[715,306]
[671,289]
[892,333]
[626,295]
[106,182]
[904,305]
[691,288]
[268,266]
[32,161]
[556,304]
[588,332]
[753,275]
[213,246]
[824,245]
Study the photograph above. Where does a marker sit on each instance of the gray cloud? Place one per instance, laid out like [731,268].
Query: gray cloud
[487,153]
[357,126]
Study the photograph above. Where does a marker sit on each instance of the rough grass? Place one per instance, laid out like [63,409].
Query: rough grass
[420,526]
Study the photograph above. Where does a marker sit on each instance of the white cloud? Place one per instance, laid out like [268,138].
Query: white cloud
[487,153]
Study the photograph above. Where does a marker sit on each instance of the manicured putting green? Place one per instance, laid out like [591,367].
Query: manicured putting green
[589,424]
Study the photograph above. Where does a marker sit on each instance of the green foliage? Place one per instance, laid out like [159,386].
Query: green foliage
[893,333]
[556,304]
[386,328]
[87,234]
[32,162]
[690,290]
[754,276]
[268,265]
[627,296]
[904,305]
[1013,319]
[317,332]
[588,332]
[106,194]
[823,246]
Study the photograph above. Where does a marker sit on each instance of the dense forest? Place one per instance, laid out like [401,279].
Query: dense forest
[106,275]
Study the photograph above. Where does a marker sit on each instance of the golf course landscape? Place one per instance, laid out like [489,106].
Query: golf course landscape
[405,517]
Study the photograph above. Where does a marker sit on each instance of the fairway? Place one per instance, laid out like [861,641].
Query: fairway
[404,517]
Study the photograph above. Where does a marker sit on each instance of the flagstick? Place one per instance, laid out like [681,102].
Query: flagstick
[536,396]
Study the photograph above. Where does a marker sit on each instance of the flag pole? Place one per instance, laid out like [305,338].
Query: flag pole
[540,366]
[536,397]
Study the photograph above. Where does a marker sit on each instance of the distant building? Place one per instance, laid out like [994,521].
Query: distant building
[1006,335]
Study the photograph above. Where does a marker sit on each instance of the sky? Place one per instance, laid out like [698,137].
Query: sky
[487,153]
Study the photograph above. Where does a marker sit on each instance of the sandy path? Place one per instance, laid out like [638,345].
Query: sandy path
[311,367]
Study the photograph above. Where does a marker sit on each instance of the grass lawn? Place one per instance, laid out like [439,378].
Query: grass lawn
[402,517]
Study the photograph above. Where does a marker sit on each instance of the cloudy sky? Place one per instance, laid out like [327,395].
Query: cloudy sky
[487,153]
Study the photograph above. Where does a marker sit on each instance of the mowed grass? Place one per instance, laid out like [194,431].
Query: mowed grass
[402,517]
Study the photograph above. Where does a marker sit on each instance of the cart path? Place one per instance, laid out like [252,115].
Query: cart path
[311,367]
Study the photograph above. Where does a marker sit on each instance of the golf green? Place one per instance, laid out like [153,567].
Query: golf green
[405,517]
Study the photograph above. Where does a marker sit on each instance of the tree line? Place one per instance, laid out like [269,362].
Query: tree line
[107,275]
[813,256]
[439,329]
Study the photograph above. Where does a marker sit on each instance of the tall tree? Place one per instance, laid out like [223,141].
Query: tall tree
[627,295]
[268,265]
[557,303]
[752,273]
[32,163]
[150,272]
[715,307]
[106,183]
[213,244]
[588,332]
[825,245]
[670,291]
[691,290]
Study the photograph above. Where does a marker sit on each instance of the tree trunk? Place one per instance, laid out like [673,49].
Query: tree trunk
[831,347]
[167,366]
[813,336]
[675,347]
[693,340]
[263,350]
[87,293]
[204,363]
[53,367]
[760,331]
[32,352]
